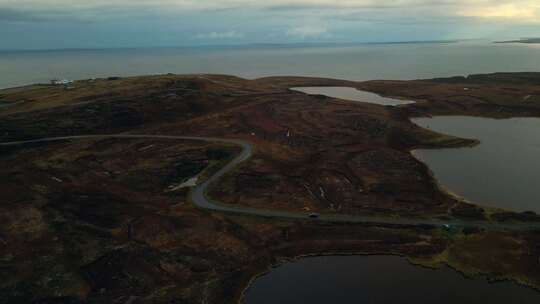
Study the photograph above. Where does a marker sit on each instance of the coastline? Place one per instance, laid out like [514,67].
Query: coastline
[382,139]
[416,262]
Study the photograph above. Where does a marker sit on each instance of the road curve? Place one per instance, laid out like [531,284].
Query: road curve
[200,199]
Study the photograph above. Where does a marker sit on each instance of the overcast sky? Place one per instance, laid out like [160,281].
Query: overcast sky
[50,24]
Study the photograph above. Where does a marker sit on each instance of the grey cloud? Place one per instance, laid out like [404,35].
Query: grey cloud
[221,35]
[7,14]
[35,10]
[14,15]
[367,5]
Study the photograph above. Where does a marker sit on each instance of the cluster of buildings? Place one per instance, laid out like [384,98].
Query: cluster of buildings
[61,82]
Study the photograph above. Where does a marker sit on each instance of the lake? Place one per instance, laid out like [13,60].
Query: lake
[352,94]
[503,171]
[377,279]
[353,62]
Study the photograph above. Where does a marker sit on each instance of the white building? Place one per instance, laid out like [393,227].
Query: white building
[61,81]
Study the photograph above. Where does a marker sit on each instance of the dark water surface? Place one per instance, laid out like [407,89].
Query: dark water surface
[352,94]
[355,62]
[503,171]
[378,279]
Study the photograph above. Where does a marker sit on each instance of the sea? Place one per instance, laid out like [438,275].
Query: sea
[399,61]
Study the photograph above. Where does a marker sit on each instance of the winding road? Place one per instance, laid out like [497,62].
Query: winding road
[200,199]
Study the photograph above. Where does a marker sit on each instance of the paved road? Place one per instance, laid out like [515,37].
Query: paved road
[199,198]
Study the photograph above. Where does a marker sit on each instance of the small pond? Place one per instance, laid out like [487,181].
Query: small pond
[352,94]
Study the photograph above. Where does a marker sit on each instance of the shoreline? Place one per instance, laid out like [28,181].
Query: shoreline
[490,278]
[380,140]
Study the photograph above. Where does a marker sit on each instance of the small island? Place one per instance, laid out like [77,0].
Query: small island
[522,40]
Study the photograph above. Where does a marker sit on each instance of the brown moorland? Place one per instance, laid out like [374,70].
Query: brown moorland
[93,221]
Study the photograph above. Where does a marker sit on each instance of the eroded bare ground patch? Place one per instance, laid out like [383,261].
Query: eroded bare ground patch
[97,221]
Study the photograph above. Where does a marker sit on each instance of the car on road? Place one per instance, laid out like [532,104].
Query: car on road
[314,215]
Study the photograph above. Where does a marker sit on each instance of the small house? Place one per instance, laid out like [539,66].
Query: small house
[61,82]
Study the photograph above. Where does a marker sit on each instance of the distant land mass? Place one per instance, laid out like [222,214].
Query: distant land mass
[243,46]
[523,40]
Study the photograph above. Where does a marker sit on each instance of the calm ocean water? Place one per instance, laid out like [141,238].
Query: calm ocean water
[346,279]
[359,62]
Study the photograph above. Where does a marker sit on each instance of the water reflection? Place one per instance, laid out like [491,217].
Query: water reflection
[352,94]
[503,171]
[377,279]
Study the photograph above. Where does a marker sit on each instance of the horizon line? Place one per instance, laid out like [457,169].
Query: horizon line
[239,45]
